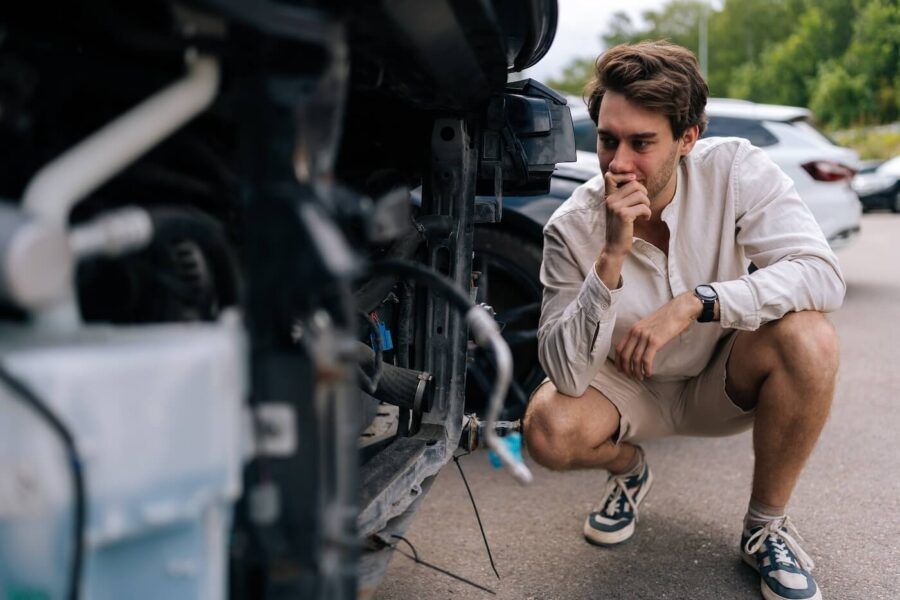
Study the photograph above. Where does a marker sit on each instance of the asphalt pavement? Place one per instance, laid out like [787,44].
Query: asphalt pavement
[846,505]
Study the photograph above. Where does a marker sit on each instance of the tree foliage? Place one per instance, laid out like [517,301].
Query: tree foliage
[839,57]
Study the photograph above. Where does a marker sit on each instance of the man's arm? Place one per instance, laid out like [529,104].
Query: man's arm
[797,268]
[578,314]
[798,271]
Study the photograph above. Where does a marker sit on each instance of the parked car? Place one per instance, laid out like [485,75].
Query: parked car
[879,187]
[508,254]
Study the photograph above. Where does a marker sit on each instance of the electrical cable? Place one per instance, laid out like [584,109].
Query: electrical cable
[412,270]
[415,558]
[371,383]
[477,516]
[40,407]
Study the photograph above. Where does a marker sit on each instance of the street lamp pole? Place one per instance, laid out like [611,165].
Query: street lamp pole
[704,51]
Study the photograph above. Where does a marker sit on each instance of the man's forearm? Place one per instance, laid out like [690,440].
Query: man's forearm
[609,269]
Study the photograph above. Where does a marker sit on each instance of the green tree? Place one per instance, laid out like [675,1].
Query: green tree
[678,21]
[739,33]
[841,57]
[786,72]
[621,30]
[840,99]
[874,54]
[574,77]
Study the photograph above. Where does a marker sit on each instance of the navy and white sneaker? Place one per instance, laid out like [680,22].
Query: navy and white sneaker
[612,522]
[783,566]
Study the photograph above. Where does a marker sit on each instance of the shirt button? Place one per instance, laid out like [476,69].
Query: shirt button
[604,305]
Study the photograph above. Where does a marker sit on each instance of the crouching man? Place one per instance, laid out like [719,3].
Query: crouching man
[651,325]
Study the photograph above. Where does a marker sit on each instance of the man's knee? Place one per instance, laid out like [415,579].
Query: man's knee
[557,430]
[807,339]
[545,430]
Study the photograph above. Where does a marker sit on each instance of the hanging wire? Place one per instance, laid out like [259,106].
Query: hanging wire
[477,516]
[415,558]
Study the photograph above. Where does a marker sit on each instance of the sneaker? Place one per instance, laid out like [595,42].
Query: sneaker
[612,522]
[783,566]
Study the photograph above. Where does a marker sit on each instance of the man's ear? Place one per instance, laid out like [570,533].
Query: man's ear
[689,138]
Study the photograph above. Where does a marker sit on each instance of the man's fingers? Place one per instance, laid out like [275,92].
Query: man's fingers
[613,181]
[637,359]
[638,196]
[624,353]
[632,213]
[649,355]
[631,187]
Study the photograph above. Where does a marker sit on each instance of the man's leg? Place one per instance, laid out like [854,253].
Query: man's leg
[563,432]
[787,370]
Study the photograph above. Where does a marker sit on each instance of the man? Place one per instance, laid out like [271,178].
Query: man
[651,325]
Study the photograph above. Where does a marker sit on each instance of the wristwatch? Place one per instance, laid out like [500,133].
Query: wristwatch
[708,297]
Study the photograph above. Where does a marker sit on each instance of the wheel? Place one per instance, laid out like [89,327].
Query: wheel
[509,281]
[896,206]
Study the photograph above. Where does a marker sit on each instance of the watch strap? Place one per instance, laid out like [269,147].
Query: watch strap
[709,308]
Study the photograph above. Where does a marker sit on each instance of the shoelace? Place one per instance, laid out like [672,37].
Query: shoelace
[617,492]
[779,531]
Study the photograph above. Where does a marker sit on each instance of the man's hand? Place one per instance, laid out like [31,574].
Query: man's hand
[626,201]
[637,349]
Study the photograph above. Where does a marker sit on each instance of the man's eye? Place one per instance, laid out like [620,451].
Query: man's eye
[608,143]
[640,145]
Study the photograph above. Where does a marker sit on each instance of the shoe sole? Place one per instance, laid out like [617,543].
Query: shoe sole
[767,593]
[614,538]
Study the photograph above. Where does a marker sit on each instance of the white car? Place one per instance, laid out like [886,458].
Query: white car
[820,169]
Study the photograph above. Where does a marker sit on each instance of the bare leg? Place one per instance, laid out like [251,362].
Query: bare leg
[787,369]
[563,432]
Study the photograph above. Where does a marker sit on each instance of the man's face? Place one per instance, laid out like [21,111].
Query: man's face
[633,139]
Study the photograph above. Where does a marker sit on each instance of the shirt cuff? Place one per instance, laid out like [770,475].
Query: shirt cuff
[595,299]
[737,305]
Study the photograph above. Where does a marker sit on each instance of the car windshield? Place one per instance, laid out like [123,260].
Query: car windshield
[749,129]
[585,135]
[808,127]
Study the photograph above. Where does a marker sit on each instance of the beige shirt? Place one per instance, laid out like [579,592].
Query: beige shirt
[732,205]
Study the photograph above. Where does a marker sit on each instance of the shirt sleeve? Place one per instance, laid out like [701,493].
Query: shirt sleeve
[578,314]
[797,268]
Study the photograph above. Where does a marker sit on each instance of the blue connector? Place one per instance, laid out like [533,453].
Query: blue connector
[513,442]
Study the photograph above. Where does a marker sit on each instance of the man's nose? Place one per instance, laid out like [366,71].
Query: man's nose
[622,161]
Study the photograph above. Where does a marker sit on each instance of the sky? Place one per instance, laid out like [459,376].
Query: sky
[581,22]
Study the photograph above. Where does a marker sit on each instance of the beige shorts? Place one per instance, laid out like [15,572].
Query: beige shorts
[653,409]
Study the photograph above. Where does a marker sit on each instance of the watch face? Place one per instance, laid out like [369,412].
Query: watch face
[706,292]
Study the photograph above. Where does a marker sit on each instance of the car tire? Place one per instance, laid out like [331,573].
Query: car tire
[509,265]
[896,207]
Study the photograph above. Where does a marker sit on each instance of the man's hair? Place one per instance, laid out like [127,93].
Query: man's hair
[656,75]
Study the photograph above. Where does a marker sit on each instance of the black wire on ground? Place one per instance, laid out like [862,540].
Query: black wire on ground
[415,558]
[477,516]
[30,399]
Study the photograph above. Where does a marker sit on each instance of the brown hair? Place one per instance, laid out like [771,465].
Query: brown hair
[656,75]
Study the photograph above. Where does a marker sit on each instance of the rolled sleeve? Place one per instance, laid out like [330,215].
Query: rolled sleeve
[578,314]
[738,307]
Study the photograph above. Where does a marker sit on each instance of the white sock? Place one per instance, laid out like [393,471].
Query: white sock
[759,513]
[637,463]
